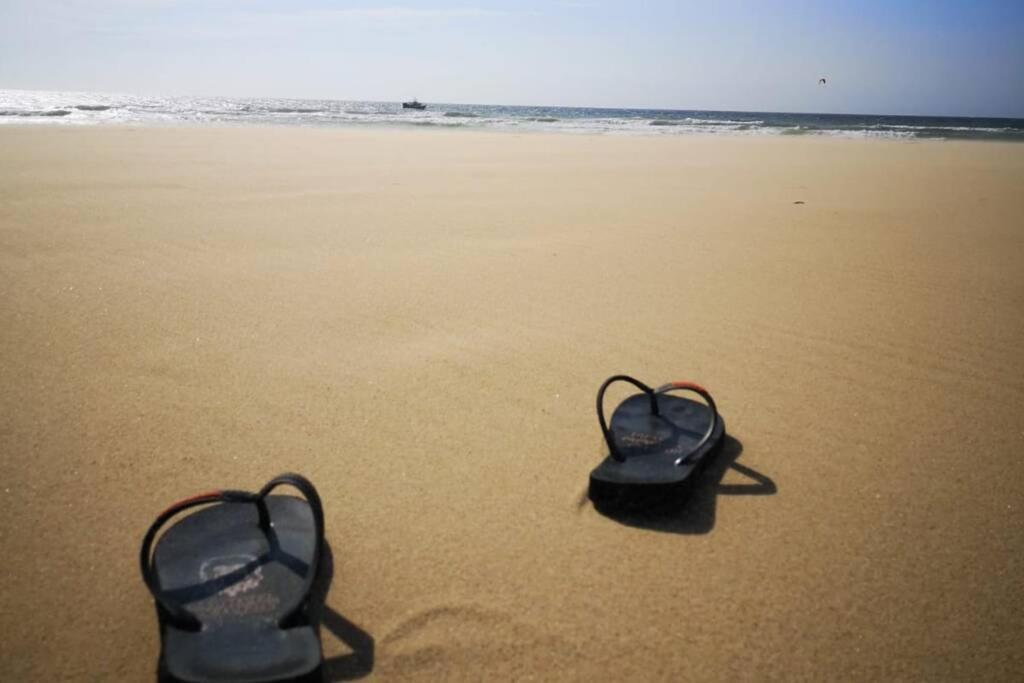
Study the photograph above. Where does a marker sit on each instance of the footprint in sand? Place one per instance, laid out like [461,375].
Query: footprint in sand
[451,632]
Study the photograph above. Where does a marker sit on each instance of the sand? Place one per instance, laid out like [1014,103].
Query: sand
[419,321]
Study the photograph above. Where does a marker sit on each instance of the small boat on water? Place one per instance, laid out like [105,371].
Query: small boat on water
[415,104]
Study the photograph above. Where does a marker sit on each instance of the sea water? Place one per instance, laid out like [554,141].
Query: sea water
[75,108]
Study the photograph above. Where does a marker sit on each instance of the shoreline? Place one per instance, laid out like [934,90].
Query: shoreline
[412,129]
[498,130]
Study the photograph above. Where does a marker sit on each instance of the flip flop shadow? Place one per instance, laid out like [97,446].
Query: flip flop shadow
[694,512]
[347,667]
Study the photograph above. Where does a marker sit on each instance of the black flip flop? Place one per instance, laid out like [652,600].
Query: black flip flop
[232,582]
[656,442]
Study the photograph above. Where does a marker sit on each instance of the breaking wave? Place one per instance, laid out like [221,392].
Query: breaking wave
[296,110]
[49,112]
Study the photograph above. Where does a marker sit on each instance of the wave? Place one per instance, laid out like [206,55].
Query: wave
[460,115]
[723,122]
[698,123]
[49,112]
[543,119]
[296,110]
[972,129]
[92,107]
[849,132]
[216,112]
[436,124]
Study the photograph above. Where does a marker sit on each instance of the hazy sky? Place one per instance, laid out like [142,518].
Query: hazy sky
[898,57]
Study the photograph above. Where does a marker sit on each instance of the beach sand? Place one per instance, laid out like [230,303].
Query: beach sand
[419,322]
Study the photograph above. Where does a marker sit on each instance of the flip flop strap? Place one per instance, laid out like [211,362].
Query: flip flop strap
[608,436]
[706,395]
[308,491]
[181,615]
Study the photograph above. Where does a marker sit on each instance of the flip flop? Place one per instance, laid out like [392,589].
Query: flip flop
[232,581]
[656,442]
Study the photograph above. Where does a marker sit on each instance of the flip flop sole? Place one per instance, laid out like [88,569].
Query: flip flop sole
[240,581]
[651,445]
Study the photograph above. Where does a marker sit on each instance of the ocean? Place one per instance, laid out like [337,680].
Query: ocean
[76,108]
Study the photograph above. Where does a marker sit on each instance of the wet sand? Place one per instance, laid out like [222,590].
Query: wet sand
[419,321]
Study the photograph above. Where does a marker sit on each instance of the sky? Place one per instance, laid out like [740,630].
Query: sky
[898,57]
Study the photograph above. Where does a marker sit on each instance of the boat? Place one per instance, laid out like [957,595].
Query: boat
[415,104]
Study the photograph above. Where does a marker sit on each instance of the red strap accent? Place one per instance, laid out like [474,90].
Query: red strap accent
[689,385]
[212,495]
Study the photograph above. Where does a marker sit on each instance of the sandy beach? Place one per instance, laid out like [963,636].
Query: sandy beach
[419,321]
